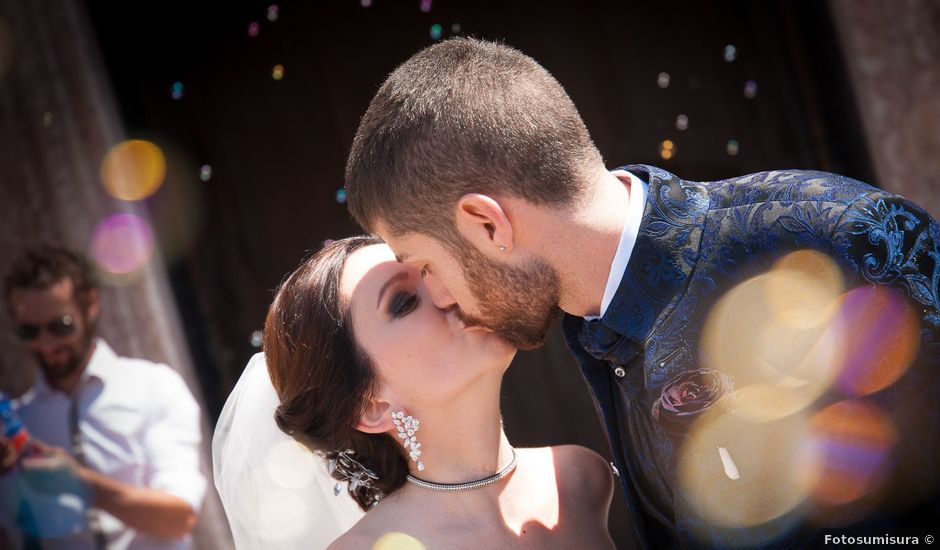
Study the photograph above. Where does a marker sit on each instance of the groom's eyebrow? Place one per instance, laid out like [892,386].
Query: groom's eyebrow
[397,277]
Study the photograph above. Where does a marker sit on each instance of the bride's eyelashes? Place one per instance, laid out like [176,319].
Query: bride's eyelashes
[425,271]
[403,303]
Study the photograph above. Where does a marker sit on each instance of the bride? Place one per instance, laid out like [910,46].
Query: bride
[401,401]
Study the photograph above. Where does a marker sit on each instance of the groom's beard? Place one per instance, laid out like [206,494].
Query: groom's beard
[519,304]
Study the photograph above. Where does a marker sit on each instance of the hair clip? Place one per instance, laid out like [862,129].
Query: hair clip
[358,476]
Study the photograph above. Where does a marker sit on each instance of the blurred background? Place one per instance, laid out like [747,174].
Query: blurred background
[195,150]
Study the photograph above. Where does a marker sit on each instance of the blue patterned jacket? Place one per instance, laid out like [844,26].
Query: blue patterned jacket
[697,241]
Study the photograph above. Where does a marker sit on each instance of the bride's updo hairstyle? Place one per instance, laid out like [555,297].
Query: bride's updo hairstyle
[322,377]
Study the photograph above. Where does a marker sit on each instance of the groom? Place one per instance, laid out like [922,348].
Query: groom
[476,168]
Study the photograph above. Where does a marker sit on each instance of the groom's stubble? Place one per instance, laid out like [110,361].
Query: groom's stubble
[519,304]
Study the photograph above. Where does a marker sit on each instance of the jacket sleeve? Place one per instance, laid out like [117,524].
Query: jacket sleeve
[888,241]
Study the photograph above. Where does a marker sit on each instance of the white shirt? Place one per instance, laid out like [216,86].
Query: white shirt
[631,227]
[140,425]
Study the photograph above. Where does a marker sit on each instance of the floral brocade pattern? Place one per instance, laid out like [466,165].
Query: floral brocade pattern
[697,241]
[902,248]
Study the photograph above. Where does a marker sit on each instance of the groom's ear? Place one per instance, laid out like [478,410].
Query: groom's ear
[481,220]
[376,418]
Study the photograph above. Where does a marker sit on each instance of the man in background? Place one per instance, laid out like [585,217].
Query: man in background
[113,460]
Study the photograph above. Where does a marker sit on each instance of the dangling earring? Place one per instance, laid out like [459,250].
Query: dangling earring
[407,427]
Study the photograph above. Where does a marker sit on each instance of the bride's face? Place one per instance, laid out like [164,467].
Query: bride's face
[422,353]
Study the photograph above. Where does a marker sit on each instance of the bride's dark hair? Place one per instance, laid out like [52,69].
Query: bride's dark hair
[322,377]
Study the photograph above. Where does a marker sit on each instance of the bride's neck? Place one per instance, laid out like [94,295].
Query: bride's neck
[463,440]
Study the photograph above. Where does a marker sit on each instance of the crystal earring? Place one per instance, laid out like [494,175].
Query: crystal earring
[407,427]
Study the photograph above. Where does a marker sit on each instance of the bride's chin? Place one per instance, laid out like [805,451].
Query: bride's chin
[495,352]
[505,360]
[504,351]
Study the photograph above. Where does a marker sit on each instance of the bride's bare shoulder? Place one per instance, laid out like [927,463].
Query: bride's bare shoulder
[583,474]
[362,535]
[392,539]
[351,541]
[384,520]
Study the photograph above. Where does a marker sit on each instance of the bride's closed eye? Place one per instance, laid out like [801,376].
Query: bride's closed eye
[403,303]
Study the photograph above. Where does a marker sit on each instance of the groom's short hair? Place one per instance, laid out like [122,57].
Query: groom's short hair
[464,116]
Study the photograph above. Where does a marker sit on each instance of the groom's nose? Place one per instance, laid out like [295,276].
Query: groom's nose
[440,296]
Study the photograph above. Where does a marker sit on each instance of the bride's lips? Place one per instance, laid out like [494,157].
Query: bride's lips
[463,324]
[470,327]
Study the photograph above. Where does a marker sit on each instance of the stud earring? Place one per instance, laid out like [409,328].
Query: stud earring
[407,428]
[502,248]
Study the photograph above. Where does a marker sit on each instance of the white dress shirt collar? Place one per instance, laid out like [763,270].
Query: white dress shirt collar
[631,227]
[102,362]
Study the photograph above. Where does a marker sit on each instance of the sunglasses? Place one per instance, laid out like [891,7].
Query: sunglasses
[61,327]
